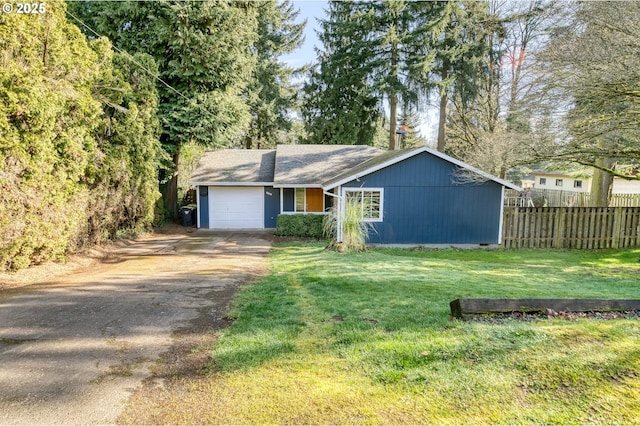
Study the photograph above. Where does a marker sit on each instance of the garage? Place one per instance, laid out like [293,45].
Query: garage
[236,207]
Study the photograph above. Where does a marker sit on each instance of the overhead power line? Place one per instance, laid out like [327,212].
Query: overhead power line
[130,58]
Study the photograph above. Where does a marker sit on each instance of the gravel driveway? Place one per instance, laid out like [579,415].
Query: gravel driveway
[73,350]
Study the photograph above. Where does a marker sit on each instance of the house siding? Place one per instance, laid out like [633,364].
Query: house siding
[423,204]
[568,183]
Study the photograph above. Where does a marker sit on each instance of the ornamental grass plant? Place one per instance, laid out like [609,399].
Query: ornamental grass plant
[355,229]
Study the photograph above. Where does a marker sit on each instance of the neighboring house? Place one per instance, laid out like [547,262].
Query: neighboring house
[564,181]
[415,196]
[561,181]
[625,186]
[528,182]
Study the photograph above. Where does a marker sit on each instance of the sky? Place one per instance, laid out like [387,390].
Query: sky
[311,10]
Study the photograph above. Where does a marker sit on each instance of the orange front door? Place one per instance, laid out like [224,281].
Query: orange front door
[315,200]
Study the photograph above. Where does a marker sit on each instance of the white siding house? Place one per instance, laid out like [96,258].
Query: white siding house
[563,181]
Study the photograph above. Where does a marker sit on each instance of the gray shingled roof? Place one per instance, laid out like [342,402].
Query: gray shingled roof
[312,165]
[304,165]
[235,166]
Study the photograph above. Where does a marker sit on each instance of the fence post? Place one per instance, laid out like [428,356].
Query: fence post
[510,226]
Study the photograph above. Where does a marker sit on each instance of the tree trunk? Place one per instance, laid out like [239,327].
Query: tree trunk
[171,196]
[393,98]
[608,185]
[393,121]
[444,99]
[601,182]
[598,198]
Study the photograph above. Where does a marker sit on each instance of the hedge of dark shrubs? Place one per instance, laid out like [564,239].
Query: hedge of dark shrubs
[300,225]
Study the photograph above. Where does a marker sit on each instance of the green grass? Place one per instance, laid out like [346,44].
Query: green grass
[367,338]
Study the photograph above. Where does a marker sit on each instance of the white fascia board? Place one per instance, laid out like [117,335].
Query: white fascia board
[230,183]
[419,151]
[290,185]
[501,223]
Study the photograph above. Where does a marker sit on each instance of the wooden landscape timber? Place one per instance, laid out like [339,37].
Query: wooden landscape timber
[469,308]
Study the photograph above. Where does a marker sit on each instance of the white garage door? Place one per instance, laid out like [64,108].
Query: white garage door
[236,207]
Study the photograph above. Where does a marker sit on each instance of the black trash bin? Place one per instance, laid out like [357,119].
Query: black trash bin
[187,214]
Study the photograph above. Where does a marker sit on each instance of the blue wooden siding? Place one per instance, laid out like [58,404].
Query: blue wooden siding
[271,206]
[423,204]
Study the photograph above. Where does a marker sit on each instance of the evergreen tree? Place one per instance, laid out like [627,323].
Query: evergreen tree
[76,128]
[461,46]
[123,179]
[406,132]
[373,52]
[47,115]
[339,105]
[271,94]
[203,51]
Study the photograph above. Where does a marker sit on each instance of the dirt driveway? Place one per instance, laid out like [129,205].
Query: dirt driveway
[74,349]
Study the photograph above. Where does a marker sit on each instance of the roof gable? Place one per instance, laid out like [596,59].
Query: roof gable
[390,158]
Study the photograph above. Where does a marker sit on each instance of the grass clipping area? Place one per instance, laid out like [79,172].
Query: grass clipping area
[367,338]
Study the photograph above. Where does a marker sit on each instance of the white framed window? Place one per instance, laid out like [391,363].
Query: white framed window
[577,184]
[543,181]
[558,182]
[371,202]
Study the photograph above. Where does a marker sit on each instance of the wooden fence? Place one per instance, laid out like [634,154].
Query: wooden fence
[571,227]
[625,200]
[556,198]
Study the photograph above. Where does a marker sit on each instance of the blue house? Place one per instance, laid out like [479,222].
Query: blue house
[412,196]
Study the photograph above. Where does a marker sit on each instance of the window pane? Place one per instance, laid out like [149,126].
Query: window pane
[353,196]
[300,200]
[366,205]
[375,205]
[369,201]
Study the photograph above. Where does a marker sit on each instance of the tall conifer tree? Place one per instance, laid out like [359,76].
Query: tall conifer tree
[375,56]
[203,51]
[461,47]
[394,52]
[271,94]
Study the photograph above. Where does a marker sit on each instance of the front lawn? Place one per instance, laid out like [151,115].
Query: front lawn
[368,338]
